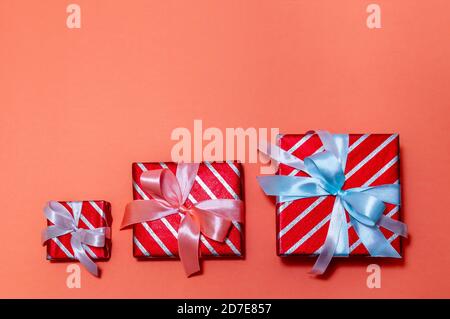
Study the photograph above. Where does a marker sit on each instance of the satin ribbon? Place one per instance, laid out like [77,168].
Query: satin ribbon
[65,223]
[365,205]
[169,192]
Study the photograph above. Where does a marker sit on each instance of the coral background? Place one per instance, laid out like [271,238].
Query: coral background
[77,107]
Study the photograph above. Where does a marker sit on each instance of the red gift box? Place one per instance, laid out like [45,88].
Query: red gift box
[94,214]
[158,238]
[302,224]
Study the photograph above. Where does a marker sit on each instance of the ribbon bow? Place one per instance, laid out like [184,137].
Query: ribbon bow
[365,205]
[65,223]
[169,192]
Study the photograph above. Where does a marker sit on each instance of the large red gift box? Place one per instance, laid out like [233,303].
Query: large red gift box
[94,214]
[159,238]
[302,225]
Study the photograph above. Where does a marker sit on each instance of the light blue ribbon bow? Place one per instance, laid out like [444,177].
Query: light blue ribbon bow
[365,205]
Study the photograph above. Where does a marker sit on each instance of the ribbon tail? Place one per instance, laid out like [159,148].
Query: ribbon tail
[96,237]
[188,244]
[374,240]
[337,222]
[83,258]
[394,226]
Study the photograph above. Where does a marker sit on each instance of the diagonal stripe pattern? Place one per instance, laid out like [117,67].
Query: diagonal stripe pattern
[302,224]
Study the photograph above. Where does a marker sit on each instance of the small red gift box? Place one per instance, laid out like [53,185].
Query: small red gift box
[302,224]
[158,238]
[94,214]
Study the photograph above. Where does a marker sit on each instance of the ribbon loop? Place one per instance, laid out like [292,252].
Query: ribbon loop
[365,208]
[337,222]
[59,215]
[212,225]
[328,142]
[326,167]
[188,244]
[139,211]
[162,185]
[93,237]
[389,193]
[228,209]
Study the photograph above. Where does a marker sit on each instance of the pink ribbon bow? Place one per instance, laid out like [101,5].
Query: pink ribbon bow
[65,223]
[212,218]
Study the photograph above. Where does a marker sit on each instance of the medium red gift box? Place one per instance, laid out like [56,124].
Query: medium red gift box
[94,214]
[302,224]
[158,238]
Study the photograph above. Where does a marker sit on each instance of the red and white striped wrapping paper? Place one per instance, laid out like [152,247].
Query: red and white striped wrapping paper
[159,238]
[302,225]
[94,214]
